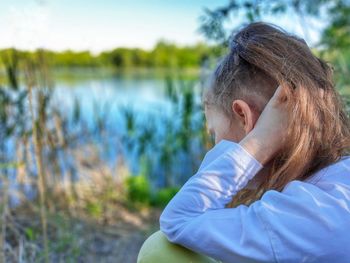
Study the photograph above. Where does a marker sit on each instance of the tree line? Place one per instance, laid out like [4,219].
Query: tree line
[163,55]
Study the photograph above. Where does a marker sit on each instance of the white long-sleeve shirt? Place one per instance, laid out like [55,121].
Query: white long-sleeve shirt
[309,221]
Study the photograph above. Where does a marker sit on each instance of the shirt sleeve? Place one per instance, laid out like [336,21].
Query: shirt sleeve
[196,217]
[305,222]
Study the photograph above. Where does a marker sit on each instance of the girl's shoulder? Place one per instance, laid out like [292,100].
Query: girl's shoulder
[335,172]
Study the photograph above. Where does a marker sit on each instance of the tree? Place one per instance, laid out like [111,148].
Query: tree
[335,11]
[335,37]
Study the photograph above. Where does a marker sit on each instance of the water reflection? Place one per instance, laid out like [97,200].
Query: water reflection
[146,122]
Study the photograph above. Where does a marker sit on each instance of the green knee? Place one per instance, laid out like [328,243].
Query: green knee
[158,249]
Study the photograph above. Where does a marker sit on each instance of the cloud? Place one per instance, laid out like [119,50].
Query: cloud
[28,26]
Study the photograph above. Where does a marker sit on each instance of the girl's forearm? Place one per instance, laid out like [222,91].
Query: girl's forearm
[258,148]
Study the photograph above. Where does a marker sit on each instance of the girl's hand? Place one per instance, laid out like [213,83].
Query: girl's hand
[268,135]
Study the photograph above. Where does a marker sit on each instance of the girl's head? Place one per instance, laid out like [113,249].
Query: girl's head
[261,57]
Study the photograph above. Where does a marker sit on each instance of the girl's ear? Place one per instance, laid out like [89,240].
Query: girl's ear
[245,114]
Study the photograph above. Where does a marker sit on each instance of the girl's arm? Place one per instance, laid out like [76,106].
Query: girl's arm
[303,223]
[197,218]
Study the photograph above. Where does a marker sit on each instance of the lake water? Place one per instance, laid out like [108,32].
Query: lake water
[153,120]
[141,91]
[148,97]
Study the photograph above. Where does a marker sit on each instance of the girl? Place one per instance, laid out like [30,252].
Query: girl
[276,186]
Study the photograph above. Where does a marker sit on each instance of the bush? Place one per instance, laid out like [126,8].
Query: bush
[138,189]
[163,196]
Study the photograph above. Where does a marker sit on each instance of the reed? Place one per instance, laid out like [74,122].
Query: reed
[37,135]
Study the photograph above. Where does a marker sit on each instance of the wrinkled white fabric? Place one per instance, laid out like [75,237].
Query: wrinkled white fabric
[309,221]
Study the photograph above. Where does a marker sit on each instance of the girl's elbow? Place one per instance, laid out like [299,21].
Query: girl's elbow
[167,227]
[170,228]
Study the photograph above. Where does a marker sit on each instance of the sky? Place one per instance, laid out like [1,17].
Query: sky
[98,25]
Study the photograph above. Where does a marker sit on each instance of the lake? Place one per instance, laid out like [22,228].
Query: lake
[152,121]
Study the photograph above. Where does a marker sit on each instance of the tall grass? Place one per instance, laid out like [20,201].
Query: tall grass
[60,158]
[38,127]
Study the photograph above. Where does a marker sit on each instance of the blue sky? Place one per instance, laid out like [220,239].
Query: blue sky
[98,25]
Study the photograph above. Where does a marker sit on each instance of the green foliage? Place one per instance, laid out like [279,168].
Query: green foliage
[138,189]
[73,59]
[335,37]
[66,241]
[13,117]
[94,209]
[163,55]
[139,192]
[336,40]
[163,196]
[337,34]
[10,59]
[30,233]
[213,22]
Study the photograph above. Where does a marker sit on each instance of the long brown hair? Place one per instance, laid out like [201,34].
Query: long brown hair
[261,57]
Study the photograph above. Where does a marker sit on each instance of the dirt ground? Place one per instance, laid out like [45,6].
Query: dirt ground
[121,243]
[79,240]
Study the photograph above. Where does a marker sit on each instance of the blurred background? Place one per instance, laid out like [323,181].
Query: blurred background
[101,120]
